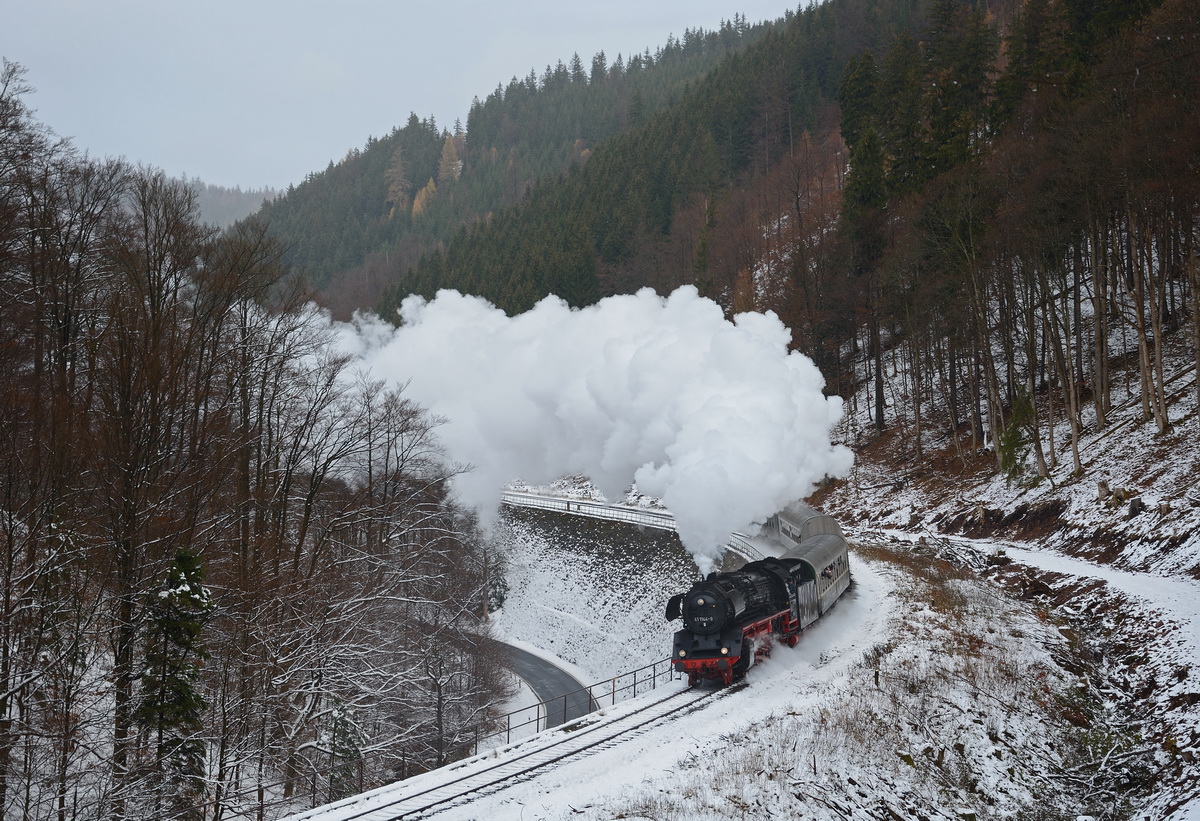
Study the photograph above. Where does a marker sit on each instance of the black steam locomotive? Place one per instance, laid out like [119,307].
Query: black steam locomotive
[725,614]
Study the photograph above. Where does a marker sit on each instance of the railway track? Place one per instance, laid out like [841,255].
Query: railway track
[426,794]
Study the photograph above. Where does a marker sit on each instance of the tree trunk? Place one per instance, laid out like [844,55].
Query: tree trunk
[1193,274]
[1101,394]
[124,673]
[877,359]
[917,372]
[1156,283]
[1063,360]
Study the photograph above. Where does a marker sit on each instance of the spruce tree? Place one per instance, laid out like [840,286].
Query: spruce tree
[859,98]
[449,167]
[345,741]
[171,708]
[902,121]
[398,182]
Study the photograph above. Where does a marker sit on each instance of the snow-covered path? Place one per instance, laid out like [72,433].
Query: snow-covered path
[1177,602]
[1178,598]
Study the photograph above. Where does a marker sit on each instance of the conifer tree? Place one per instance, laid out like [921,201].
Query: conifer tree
[345,741]
[578,75]
[397,181]
[637,109]
[902,121]
[961,52]
[864,221]
[859,98]
[172,708]
[450,167]
[599,67]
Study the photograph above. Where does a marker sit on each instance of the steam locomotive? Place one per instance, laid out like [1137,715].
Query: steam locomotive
[727,616]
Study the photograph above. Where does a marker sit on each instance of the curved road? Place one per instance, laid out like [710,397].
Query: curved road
[563,694]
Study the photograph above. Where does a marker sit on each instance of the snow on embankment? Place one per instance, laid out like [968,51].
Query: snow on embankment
[924,693]
[1134,504]
[1115,549]
[1123,582]
[1143,631]
[592,593]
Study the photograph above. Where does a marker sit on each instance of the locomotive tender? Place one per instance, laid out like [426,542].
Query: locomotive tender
[725,614]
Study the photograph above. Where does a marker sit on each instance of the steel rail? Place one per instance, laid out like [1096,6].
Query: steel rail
[502,772]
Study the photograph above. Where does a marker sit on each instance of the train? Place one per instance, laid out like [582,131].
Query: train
[730,618]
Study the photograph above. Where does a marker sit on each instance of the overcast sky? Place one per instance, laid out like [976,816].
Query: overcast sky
[261,92]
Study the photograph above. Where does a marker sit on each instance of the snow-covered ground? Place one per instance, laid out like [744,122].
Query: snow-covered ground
[565,598]
[1142,632]
[928,692]
[651,764]
[1111,598]
[1047,679]
[943,686]
[952,489]
[1123,580]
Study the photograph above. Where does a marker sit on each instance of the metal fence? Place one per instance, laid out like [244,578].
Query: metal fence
[648,517]
[567,707]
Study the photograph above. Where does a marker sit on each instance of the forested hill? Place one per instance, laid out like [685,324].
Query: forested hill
[222,207]
[680,198]
[367,218]
[939,175]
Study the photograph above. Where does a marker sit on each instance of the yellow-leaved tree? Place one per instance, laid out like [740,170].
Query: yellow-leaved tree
[421,200]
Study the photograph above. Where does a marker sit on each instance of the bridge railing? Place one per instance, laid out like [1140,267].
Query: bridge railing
[647,517]
[576,704]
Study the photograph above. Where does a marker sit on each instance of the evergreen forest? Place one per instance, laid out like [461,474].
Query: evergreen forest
[1002,195]
[221,207]
[356,226]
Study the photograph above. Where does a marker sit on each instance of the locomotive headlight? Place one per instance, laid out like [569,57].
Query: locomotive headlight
[682,653]
[700,601]
[724,651]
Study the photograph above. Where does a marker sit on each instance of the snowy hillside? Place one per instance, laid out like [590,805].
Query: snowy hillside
[927,693]
[564,594]
[1117,549]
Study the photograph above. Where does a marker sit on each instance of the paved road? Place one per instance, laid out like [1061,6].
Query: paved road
[552,685]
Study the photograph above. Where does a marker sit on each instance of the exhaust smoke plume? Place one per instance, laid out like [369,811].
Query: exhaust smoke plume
[716,418]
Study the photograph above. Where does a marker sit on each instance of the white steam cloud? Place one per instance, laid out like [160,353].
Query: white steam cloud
[716,418]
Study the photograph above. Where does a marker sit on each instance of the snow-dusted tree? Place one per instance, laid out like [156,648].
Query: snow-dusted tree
[453,697]
[171,706]
[153,429]
[344,741]
[54,207]
[168,402]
